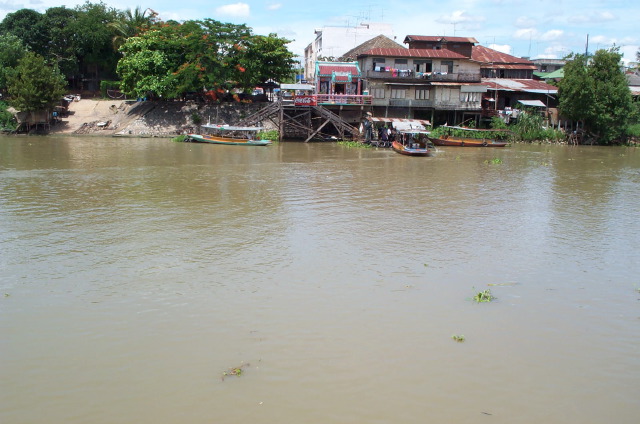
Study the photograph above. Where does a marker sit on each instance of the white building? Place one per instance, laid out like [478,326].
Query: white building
[332,42]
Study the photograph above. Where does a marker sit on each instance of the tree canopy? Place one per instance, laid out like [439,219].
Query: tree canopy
[11,51]
[94,42]
[594,90]
[172,58]
[35,85]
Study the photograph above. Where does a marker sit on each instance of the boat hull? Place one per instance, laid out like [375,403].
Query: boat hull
[216,139]
[466,142]
[408,151]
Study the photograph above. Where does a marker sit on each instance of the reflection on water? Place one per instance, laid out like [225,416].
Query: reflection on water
[136,271]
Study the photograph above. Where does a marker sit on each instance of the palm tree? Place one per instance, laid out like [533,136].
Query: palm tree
[131,23]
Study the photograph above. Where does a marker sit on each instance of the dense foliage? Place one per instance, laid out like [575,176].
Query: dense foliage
[11,51]
[35,85]
[94,42]
[7,120]
[172,59]
[594,90]
[530,127]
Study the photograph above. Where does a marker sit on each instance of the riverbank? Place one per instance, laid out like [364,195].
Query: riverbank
[145,119]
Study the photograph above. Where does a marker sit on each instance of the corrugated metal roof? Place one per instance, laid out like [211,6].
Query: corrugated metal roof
[328,69]
[524,85]
[421,53]
[438,38]
[532,103]
[487,55]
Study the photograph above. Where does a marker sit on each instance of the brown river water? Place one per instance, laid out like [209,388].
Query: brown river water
[135,272]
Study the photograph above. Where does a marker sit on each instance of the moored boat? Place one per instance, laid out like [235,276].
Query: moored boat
[471,137]
[449,140]
[229,134]
[410,150]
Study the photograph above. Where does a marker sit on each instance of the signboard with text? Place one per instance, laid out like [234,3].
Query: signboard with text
[305,101]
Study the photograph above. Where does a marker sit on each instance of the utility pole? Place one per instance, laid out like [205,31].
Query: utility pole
[586,50]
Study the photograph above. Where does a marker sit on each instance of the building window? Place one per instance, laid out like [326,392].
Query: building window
[377,93]
[446,66]
[398,93]
[422,94]
[420,65]
[469,97]
[378,64]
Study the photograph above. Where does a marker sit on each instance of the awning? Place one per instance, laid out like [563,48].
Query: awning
[532,103]
[404,124]
[307,87]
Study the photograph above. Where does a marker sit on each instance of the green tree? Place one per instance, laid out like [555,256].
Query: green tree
[596,92]
[62,39]
[94,39]
[35,85]
[11,51]
[131,23]
[26,25]
[266,57]
[173,58]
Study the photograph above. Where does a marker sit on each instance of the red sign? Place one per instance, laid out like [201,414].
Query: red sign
[305,101]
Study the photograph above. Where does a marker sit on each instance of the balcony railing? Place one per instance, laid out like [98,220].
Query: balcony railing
[342,99]
[439,105]
[412,76]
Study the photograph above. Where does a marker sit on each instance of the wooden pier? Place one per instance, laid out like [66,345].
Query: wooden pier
[308,122]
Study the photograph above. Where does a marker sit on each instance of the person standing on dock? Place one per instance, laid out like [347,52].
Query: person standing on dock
[368,128]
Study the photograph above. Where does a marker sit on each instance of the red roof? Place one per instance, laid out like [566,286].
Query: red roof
[440,38]
[327,69]
[419,53]
[500,60]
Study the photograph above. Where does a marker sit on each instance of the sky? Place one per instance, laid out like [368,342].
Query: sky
[525,28]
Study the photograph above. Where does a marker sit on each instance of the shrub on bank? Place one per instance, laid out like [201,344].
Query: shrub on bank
[272,135]
[7,120]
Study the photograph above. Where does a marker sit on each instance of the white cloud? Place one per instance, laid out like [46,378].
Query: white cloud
[525,22]
[552,35]
[592,18]
[274,6]
[238,10]
[457,17]
[503,48]
[526,34]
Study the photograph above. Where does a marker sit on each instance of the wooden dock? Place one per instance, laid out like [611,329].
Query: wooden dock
[312,122]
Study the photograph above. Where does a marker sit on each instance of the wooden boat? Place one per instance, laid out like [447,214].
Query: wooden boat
[449,140]
[478,140]
[229,134]
[410,150]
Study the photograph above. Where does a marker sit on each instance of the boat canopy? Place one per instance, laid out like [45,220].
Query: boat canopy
[404,124]
[230,127]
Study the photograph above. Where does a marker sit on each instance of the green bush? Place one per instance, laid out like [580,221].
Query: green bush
[108,85]
[7,120]
[530,128]
[272,135]
[634,130]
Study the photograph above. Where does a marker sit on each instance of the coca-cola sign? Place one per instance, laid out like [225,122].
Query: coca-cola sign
[305,101]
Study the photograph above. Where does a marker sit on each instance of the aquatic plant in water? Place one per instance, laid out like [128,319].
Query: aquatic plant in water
[237,371]
[354,144]
[458,338]
[484,296]
[494,161]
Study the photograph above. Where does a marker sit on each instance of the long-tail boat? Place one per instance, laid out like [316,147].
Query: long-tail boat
[229,134]
[477,141]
